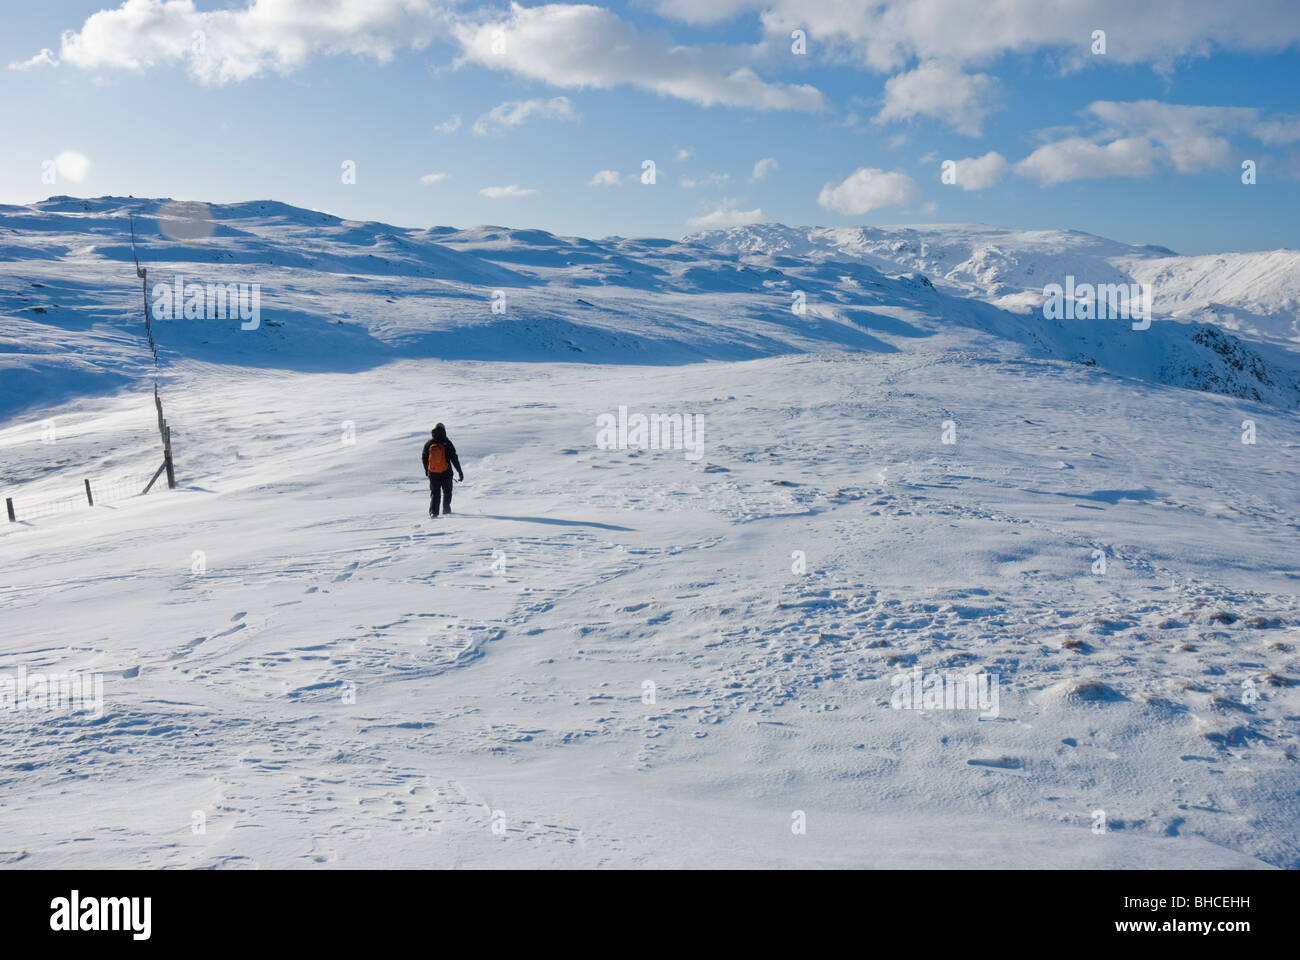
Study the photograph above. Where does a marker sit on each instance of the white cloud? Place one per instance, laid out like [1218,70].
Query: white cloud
[45,58]
[514,112]
[865,190]
[1078,159]
[763,168]
[576,45]
[72,166]
[1194,139]
[1280,130]
[511,192]
[1142,137]
[429,179]
[450,125]
[685,153]
[942,91]
[978,173]
[570,45]
[887,35]
[224,45]
[724,216]
[606,178]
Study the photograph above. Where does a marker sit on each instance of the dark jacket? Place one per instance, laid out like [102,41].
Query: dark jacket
[452,459]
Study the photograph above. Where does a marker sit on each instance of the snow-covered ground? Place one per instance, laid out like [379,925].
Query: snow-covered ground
[1257,294]
[299,659]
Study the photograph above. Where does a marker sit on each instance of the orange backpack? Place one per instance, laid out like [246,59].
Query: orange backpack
[438,459]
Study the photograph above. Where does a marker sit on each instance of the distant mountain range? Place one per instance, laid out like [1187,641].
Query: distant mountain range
[1257,294]
[344,295]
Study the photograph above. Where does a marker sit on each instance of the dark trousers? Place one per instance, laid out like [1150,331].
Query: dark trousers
[439,483]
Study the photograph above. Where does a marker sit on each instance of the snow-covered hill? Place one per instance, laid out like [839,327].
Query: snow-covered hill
[1257,294]
[340,294]
[621,656]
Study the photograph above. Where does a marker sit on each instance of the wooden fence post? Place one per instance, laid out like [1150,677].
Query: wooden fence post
[164,431]
[167,451]
[9,505]
[89,499]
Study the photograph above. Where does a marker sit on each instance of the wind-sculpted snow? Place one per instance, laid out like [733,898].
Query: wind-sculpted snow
[348,295]
[618,653]
[631,658]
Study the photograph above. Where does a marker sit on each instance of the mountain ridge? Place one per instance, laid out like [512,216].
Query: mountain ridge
[1255,294]
[346,294]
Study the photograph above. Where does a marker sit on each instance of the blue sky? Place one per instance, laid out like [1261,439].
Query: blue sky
[267,100]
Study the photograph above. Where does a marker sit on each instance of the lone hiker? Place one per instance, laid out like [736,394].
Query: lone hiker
[437,458]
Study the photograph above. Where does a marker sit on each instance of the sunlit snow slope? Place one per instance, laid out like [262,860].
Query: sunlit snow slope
[632,657]
[1257,294]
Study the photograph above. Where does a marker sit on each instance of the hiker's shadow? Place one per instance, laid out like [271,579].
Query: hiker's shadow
[555,522]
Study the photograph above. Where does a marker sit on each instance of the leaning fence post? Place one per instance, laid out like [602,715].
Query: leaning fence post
[89,499]
[9,505]
[167,451]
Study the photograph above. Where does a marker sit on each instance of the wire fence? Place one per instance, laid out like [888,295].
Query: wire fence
[122,486]
[95,491]
[164,431]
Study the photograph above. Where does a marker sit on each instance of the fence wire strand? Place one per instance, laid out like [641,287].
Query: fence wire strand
[103,490]
[123,486]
